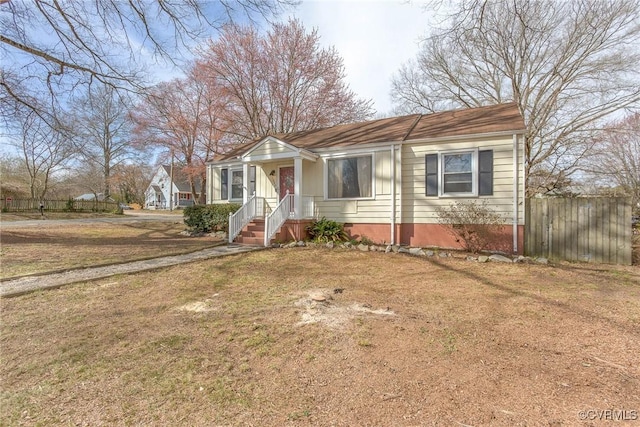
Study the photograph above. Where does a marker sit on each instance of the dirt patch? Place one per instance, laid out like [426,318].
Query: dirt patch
[205,306]
[319,306]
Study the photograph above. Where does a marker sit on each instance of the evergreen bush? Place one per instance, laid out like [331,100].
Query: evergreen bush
[208,218]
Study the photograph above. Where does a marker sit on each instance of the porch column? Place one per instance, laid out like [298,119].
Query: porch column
[245,183]
[297,199]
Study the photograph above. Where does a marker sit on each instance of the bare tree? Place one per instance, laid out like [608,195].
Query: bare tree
[103,127]
[131,181]
[280,82]
[616,158]
[183,116]
[43,150]
[14,181]
[568,65]
[106,41]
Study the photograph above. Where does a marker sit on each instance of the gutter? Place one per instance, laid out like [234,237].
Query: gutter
[393,194]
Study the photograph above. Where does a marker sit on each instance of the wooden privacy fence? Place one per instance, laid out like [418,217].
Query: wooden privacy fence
[26,205]
[593,229]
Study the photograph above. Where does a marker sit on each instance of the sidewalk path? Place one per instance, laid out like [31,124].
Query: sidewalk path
[24,285]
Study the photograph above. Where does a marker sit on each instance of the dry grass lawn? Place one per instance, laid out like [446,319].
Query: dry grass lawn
[398,341]
[45,248]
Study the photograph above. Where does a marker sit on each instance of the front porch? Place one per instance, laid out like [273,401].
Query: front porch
[275,182]
[257,223]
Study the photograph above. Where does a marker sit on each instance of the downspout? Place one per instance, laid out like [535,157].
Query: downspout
[393,194]
[405,138]
[515,193]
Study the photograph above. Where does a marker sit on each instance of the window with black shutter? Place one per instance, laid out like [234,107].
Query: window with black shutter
[459,174]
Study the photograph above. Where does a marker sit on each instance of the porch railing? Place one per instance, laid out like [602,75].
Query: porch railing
[277,217]
[243,216]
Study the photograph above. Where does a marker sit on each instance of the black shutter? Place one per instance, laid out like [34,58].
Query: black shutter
[431,165]
[224,184]
[486,173]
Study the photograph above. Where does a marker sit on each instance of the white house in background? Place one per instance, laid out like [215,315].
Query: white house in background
[384,179]
[166,193]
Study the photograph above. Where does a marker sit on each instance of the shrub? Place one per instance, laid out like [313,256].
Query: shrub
[473,224]
[325,230]
[207,218]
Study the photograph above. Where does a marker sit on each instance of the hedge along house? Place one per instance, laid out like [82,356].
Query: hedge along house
[383,178]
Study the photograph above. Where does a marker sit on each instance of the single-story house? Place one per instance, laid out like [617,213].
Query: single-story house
[167,191]
[382,178]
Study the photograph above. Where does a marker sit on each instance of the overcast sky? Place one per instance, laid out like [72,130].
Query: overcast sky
[374,37]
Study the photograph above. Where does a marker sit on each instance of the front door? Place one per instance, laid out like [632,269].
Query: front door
[286,181]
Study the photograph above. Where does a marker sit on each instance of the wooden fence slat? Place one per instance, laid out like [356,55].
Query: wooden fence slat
[592,229]
[26,205]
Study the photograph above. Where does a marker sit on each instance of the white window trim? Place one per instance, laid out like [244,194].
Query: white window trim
[230,184]
[474,173]
[348,156]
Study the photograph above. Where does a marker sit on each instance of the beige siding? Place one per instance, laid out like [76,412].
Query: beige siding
[412,205]
[418,208]
[269,148]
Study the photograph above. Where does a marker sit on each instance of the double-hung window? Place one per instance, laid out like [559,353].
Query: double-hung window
[231,183]
[236,184]
[350,177]
[459,173]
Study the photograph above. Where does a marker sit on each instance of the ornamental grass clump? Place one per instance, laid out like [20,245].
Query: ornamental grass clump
[325,230]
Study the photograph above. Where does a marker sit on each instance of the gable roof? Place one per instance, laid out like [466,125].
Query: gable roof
[472,121]
[180,179]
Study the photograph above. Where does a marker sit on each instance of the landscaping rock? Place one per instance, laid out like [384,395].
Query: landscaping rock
[347,245]
[330,245]
[363,248]
[301,244]
[471,258]
[417,251]
[430,253]
[500,258]
[542,260]
[388,249]
[403,250]
[373,248]
[443,254]
[276,245]
[483,258]
[292,245]
[395,248]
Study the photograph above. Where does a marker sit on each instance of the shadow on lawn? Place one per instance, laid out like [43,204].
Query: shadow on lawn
[589,316]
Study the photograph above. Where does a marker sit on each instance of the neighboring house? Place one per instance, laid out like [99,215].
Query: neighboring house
[165,192]
[383,178]
[100,197]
